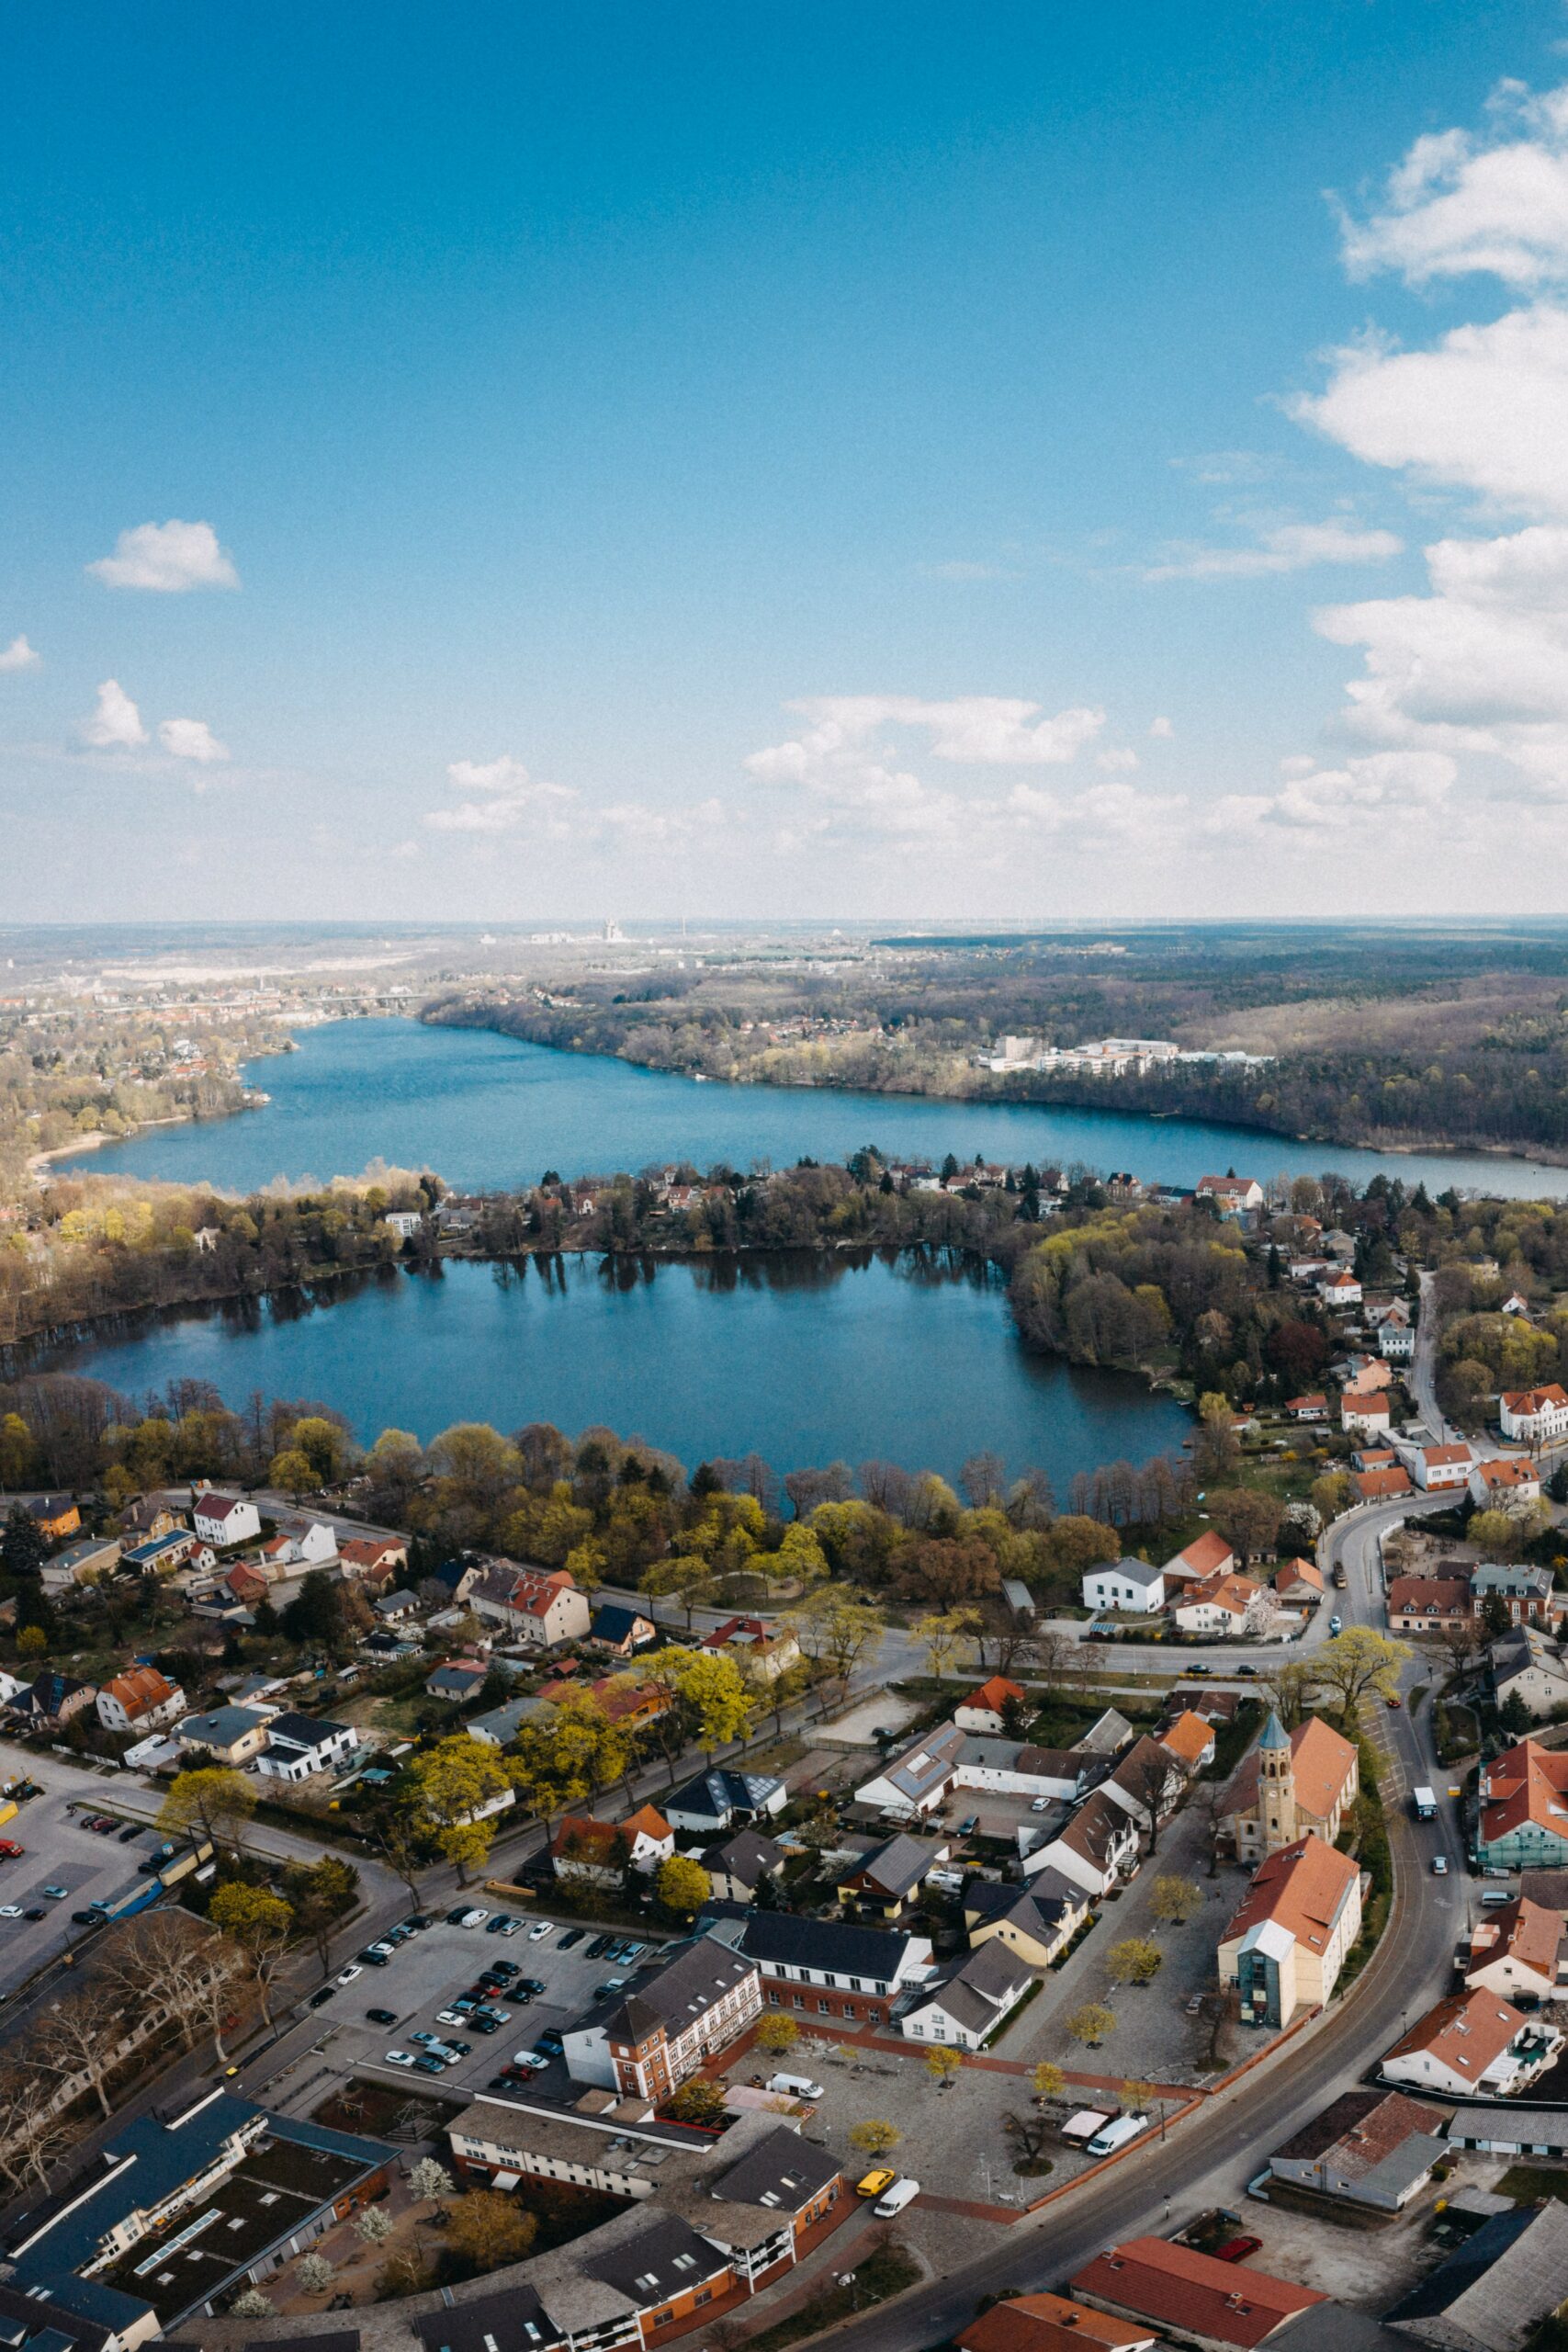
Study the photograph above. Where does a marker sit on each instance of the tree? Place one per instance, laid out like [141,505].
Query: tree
[683,1885]
[452,1782]
[1175,1900]
[321,1895]
[776,2033]
[1092,2023]
[1048,2080]
[32,1644]
[1136,1959]
[840,1632]
[1247,1519]
[77,2040]
[314,2274]
[1290,1686]
[946,1637]
[1515,1717]
[315,1618]
[431,2179]
[1359,1660]
[1331,1494]
[260,1923]
[251,2304]
[374,2225]
[943,2064]
[698,2101]
[1459,1641]
[211,1798]
[1028,2135]
[22,1546]
[489,2229]
[874,2137]
[31,2138]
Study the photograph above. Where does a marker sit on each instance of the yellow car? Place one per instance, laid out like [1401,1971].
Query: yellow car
[876,2184]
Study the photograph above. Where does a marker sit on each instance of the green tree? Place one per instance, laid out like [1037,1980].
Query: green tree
[943,2064]
[875,2137]
[22,1547]
[1049,2082]
[683,1885]
[946,1637]
[1136,1959]
[211,1798]
[1359,1660]
[717,1700]
[1091,2023]
[314,1618]
[260,1923]
[840,1632]
[452,1783]
[1174,1901]
[322,1894]
[776,2032]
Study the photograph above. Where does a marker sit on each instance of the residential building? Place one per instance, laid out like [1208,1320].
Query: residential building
[1233,1195]
[1523,1821]
[967,2006]
[541,1607]
[1512,2131]
[50,1702]
[620,1629]
[826,1967]
[1534,1416]
[701,2000]
[1313,1408]
[1124,1584]
[627,1704]
[1495,2289]
[1526,1667]
[1051,2323]
[1471,2042]
[373,1559]
[298,1747]
[140,1700]
[399,1607]
[601,1852]
[230,1736]
[1436,1466]
[1037,1922]
[720,1799]
[1363,1375]
[739,1867]
[82,1563]
[1095,1849]
[1382,1486]
[1397,1341]
[885,1883]
[1518,1952]
[1196,2298]
[1227,1605]
[1148,1784]
[1370,2149]
[1366,1415]
[762,1651]
[455,1678]
[1300,1580]
[1207,1555]
[498,1726]
[1527,1593]
[1190,1739]
[1292,1931]
[159,1555]
[55,1516]
[221,1519]
[986,1709]
[1339,1289]
[1285,1786]
[149,1515]
[1428,1604]
[1506,1479]
[309,1542]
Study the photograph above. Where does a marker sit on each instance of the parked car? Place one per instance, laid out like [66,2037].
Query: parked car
[402,2058]
[902,2193]
[611,1984]
[481,2022]
[453,2016]
[1236,2250]
[132,1829]
[599,1947]
[9,1849]
[346,1975]
[529,2060]
[528,1984]
[427,2064]
[876,2184]
[12,1911]
[552,2044]
[473,1919]
[572,1936]
[455,1919]
[382,2016]
[322,1994]
[540,1929]
[57,1894]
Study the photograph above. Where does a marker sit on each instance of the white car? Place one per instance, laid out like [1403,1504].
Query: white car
[402,2058]
[540,1929]
[449,2017]
[473,1919]
[1041,1805]
[10,1911]
[346,1975]
[535,2058]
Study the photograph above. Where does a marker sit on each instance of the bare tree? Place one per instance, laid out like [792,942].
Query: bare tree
[31,2137]
[79,2040]
[982,1479]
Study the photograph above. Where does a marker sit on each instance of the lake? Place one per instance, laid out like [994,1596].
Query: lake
[488,1112]
[804,1357]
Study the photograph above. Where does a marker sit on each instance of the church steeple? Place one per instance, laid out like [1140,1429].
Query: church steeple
[1276,1786]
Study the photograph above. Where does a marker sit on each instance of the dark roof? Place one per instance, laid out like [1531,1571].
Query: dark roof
[849,1950]
[895,1868]
[719,1794]
[784,2170]
[664,2259]
[304,1731]
[51,1506]
[697,1974]
[1432,2295]
[746,1856]
[614,1623]
[25,2319]
[514,2321]
[338,2339]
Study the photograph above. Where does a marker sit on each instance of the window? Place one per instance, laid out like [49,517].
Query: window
[849,2009]
[825,2008]
[775,1995]
[798,2001]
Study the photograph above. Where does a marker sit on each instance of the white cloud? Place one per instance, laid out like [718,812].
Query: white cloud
[19,655]
[191,739]
[1118,757]
[976,730]
[1161,730]
[169,557]
[1366,793]
[513,798]
[1457,205]
[1291,546]
[115,723]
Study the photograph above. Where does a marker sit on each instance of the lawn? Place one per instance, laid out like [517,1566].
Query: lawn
[1530,2184]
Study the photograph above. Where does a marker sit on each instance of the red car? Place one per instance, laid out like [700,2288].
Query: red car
[9,1849]
[1236,2250]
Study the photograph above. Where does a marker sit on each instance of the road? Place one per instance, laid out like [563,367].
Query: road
[1210,2157]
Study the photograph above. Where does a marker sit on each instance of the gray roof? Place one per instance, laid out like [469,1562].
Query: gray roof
[1107,1734]
[926,1763]
[221,1726]
[302,1731]
[782,2171]
[718,1794]
[665,2258]
[1498,2286]
[895,1868]
[838,1946]
[748,1856]
[981,1988]
[700,1974]
[1531,2127]
[513,2321]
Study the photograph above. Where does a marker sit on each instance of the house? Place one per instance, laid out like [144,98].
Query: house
[760,1650]
[1363,1375]
[1435,1466]
[1534,1416]
[310,1543]
[1365,1416]
[1472,2042]
[80,1564]
[399,1608]
[298,1747]
[1124,1584]
[540,1606]
[1496,2289]
[1374,2150]
[1511,2130]
[1376,1458]
[987,1708]
[403,1223]
[1382,1486]
[1307,1408]
[1207,1555]
[498,1726]
[967,2006]
[628,1703]
[1233,1605]
[1190,1739]
[1286,1786]
[1428,1604]
[55,1516]
[1527,1593]
[1095,1849]
[739,1867]
[1514,1304]
[1198,1698]
[1203,2301]
[458,1577]
[1517,1951]
[719,1799]
[373,1559]
[885,1883]
[1037,1922]
[1339,1289]
[1299,1580]
[159,1555]
[221,1519]
[149,1515]
[1507,1478]
[1148,1784]
[826,1967]
[1291,1932]
[1523,1819]
[1526,1667]
[1051,2324]
[50,1702]
[694,2007]
[458,1679]
[230,1736]
[599,1853]
[140,1700]
[620,1630]
[1233,1195]
[918,1780]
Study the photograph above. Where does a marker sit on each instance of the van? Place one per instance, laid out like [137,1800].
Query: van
[794,2087]
[876,2184]
[1116,2135]
[1494,1897]
[902,2193]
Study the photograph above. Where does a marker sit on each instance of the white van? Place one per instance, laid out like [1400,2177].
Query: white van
[1492,1898]
[1116,2135]
[902,2193]
[795,2086]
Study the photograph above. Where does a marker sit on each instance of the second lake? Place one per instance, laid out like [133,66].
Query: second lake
[802,1357]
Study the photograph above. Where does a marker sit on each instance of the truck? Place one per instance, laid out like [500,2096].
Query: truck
[1425,1804]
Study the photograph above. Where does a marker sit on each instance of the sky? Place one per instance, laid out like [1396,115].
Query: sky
[914,461]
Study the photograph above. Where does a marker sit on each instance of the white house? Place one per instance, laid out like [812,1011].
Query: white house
[540,1606]
[311,1541]
[1507,1478]
[1098,1846]
[1397,1341]
[300,1746]
[1365,1416]
[1225,1604]
[1339,1288]
[1234,1193]
[968,2006]
[221,1519]
[1472,2042]
[403,1222]
[139,1700]
[1434,1467]
[1124,1584]
[1534,1415]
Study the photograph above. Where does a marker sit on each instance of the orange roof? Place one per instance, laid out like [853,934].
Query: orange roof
[1535,1400]
[1381,1485]
[1323,1761]
[1435,1456]
[1508,1470]
[140,1688]
[995,1694]
[1234,1593]
[1189,1739]
[1466,2033]
[646,1820]
[1298,1572]
[1193,2293]
[1208,1555]
[1524,1932]
[1526,1783]
[1303,1888]
[1373,1403]
[1434,1597]
[1050,2324]
[581,1839]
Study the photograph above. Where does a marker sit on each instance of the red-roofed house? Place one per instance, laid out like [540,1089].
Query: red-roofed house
[1051,2323]
[1524,1809]
[1307,1408]
[1339,1288]
[1196,2298]
[224,1519]
[984,1710]
[1428,1604]
[1472,2042]
[1292,1931]
[1367,1416]
[1381,1486]
[1299,1580]
[1207,1555]
[540,1606]
[600,1851]
[1440,1465]
[1533,1415]
[1509,1478]
[1191,1741]
[1517,1950]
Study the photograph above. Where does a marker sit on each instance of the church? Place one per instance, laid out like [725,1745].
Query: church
[1288,1784]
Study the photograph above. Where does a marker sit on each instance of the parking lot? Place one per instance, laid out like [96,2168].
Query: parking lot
[58,1850]
[439,1964]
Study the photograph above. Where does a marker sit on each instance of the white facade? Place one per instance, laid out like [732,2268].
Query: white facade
[297,1755]
[225,1519]
[1124,1584]
[1534,1415]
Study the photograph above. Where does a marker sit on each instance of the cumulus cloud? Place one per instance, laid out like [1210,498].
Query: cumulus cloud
[1369,792]
[191,739]
[19,655]
[1161,730]
[1291,546]
[1458,204]
[511,798]
[114,723]
[170,558]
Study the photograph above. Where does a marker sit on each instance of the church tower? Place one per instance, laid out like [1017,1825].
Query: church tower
[1275,1787]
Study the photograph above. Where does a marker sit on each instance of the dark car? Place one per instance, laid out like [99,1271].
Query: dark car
[483,2022]
[86,1918]
[415,1922]
[322,1995]
[528,1984]
[572,1936]
[502,2082]
[520,1994]
[382,2016]
[425,2064]
[132,1829]
[599,1947]
[37,1911]
[371,1957]
[455,1919]
[552,2042]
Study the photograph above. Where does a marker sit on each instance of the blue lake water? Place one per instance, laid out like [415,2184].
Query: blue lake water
[491,1112]
[802,1357]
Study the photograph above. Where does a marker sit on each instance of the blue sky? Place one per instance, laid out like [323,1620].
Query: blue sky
[793,460]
